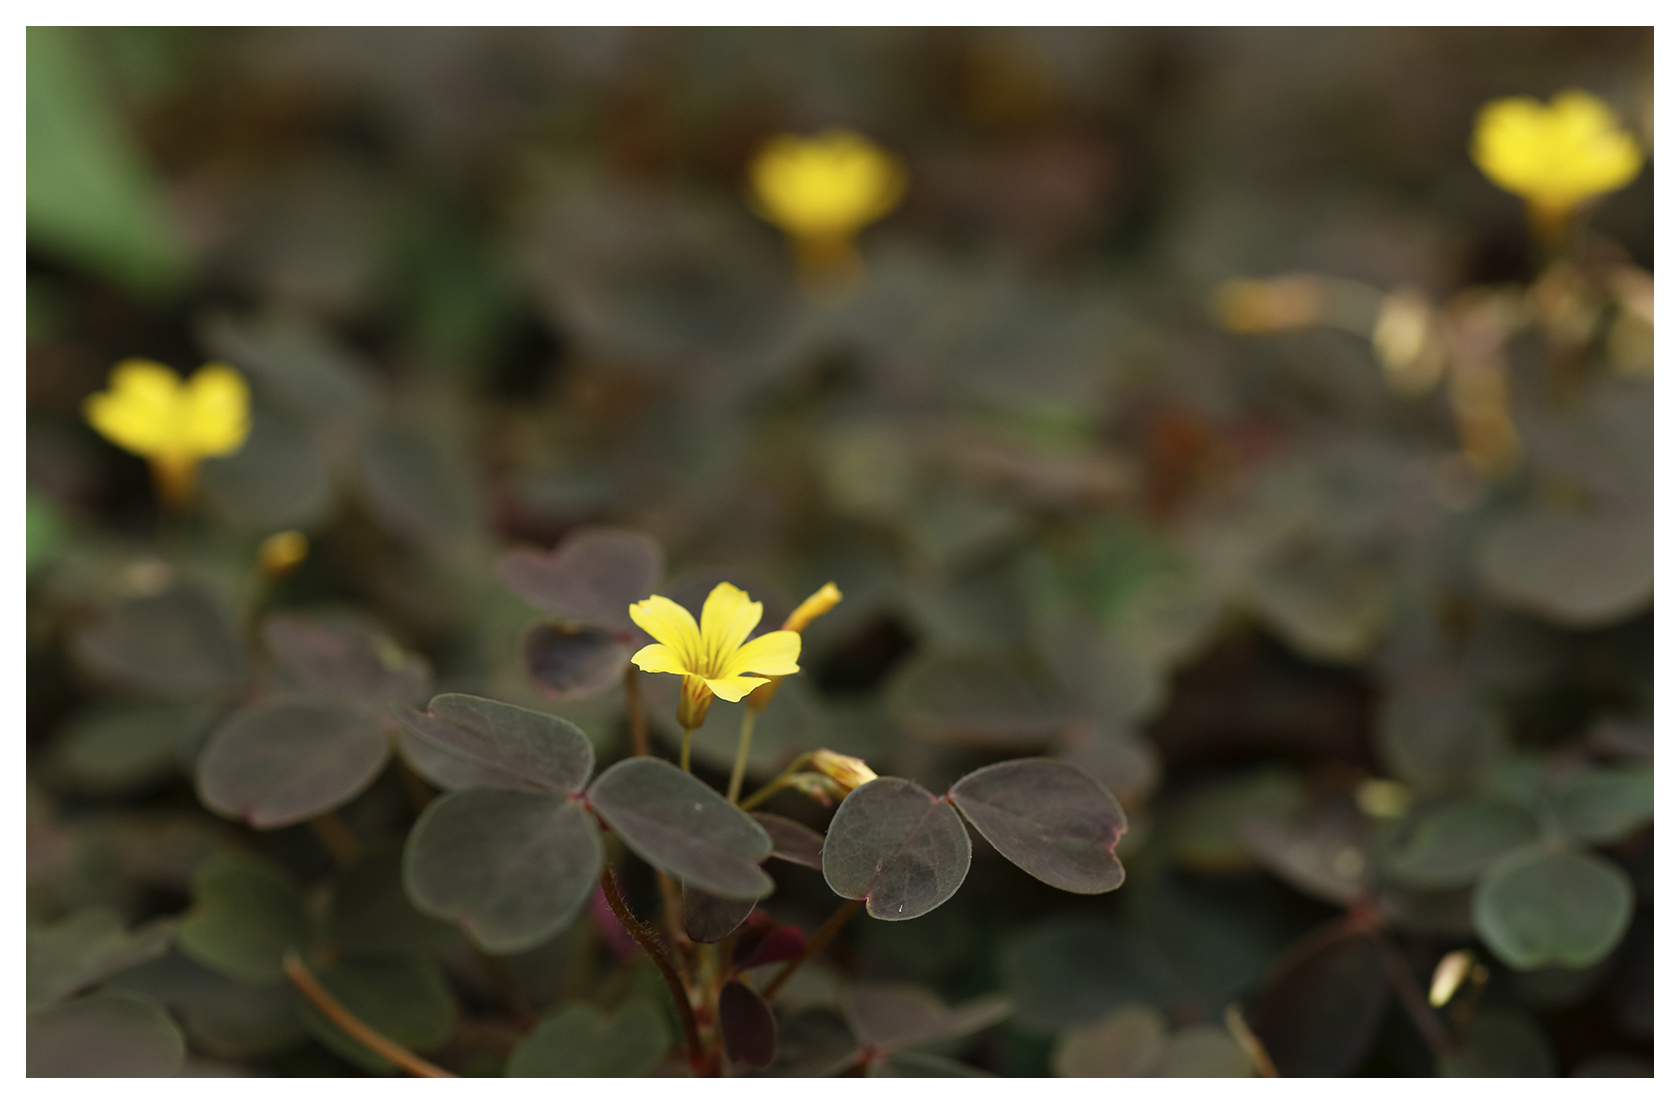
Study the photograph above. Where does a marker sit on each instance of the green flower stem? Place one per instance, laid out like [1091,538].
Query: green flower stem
[749,715]
[777,782]
[688,738]
[656,951]
[819,939]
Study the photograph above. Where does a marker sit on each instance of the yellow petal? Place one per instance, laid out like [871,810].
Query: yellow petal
[657,657]
[140,411]
[735,688]
[218,411]
[671,625]
[774,653]
[725,620]
[1555,156]
[831,185]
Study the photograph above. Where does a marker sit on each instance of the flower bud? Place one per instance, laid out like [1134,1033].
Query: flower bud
[847,772]
[281,553]
[825,599]
[819,788]
[1450,973]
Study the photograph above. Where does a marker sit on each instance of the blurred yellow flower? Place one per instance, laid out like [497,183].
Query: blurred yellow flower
[715,656]
[281,553]
[823,190]
[1558,156]
[152,412]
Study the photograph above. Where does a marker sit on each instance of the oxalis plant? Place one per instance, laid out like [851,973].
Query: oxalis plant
[515,851]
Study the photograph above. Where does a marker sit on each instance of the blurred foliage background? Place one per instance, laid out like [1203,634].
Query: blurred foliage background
[1365,700]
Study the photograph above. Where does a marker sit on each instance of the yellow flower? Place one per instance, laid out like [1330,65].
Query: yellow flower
[151,412]
[1555,157]
[822,191]
[715,656]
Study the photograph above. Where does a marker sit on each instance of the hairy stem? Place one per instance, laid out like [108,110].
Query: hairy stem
[397,1055]
[814,945]
[633,705]
[656,951]
[749,715]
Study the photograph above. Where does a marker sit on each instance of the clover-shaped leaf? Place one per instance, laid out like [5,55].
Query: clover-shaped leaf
[568,662]
[370,913]
[1049,818]
[791,841]
[407,1000]
[896,846]
[247,913]
[512,867]
[895,1016]
[707,917]
[1320,1010]
[592,577]
[1451,845]
[536,749]
[578,1041]
[684,827]
[85,948]
[1582,570]
[104,1035]
[1538,909]
[449,771]
[1603,804]
[749,1027]
[347,655]
[177,645]
[291,758]
[1128,1042]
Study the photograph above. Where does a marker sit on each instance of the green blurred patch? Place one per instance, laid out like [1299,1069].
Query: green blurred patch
[93,200]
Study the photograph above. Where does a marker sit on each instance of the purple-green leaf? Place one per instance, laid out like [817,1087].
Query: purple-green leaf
[347,655]
[1319,1011]
[684,827]
[536,749]
[567,663]
[1049,818]
[510,866]
[894,1016]
[897,846]
[592,577]
[749,1027]
[707,917]
[291,758]
[177,645]
[105,1035]
[791,841]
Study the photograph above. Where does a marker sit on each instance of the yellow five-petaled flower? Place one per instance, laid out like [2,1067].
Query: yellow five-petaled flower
[152,412]
[1556,157]
[714,657]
